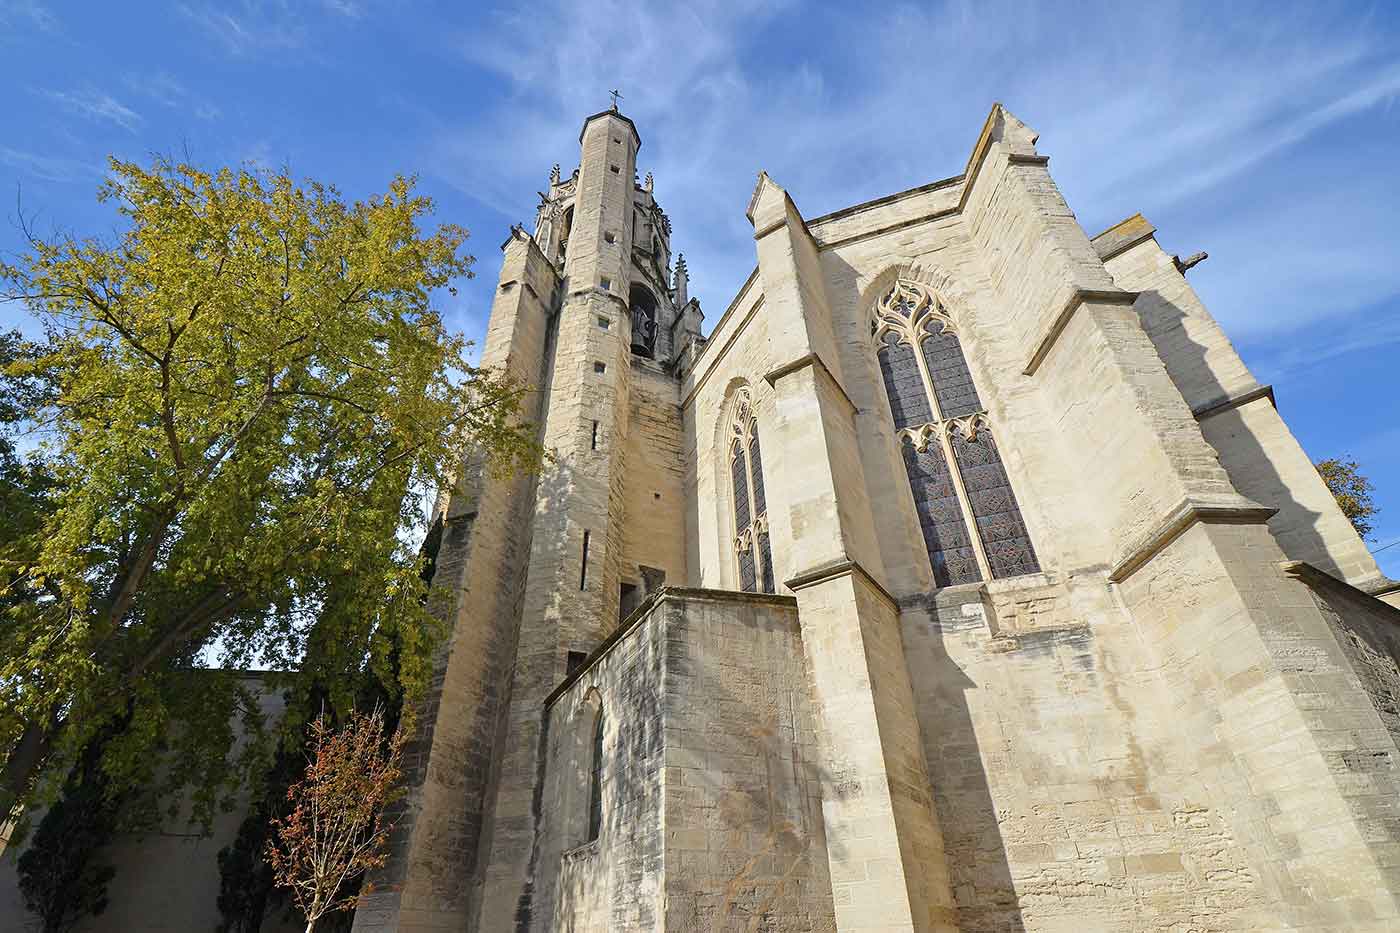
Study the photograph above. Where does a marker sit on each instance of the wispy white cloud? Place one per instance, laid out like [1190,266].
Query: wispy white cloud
[30,12]
[246,27]
[354,9]
[1320,345]
[47,167]
[164,89]
[1184,111]
[98,106]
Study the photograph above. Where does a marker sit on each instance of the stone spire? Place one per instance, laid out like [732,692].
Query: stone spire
[682,282]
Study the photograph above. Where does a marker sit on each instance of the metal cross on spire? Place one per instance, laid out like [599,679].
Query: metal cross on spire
[616,96]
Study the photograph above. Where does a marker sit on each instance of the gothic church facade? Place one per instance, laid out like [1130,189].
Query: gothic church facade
[962,579]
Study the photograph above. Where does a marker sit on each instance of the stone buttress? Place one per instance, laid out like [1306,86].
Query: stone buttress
[1159,695]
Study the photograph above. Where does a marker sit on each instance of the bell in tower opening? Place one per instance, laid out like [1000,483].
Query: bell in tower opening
[643,322]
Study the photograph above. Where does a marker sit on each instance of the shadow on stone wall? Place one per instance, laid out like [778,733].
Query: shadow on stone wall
[763,784]
[1246,462]
[978,868]
[710,697]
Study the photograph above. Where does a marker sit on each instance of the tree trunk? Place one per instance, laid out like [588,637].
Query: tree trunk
[23,764]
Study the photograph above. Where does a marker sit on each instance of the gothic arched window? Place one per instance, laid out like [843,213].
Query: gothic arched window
[751,547]
[955,470]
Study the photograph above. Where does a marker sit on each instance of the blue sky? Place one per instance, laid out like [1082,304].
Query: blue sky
[1268,135]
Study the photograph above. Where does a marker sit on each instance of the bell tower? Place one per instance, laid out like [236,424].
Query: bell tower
[534,573]
[610,244]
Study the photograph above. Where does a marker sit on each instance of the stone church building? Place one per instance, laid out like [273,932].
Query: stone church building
[962,579]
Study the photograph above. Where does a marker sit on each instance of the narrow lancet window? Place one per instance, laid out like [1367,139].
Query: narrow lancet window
[968,513]
[595,783]
[583,565]
[752,551]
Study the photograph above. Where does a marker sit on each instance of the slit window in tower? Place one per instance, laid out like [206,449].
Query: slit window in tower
[604,323]
[595,784]
[607,284]
[593,441]
[600,367]
[583,564]
[575,661]
[615,170]
[968,513]
[609,238]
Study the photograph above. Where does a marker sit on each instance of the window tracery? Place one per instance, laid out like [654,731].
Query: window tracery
[752,550]
[968,513]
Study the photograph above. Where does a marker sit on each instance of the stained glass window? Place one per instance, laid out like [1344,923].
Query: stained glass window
[752,552]
[940,516]
[903,384]
[1004,536]
[950,455]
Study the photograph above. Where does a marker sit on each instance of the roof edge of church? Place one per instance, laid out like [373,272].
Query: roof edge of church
[888,198]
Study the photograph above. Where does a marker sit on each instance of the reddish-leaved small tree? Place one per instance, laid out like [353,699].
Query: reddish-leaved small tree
[336,828]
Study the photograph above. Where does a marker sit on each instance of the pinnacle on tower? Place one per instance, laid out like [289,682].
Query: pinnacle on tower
[554,174]
[681,282]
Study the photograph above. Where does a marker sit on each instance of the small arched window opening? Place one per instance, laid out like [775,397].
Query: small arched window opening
[643,304]
[564,230]
[595,783]
[968,513]
[751,545]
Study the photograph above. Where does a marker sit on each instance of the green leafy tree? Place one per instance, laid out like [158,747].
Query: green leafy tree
[62,876]
[252,395]
[24,481]
[1352,491]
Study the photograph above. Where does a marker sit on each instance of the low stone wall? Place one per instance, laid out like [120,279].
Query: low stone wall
[711,810]
[166,879]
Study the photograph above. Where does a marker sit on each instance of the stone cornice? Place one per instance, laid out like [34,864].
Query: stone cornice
[978,155]
[811,359]
[1384,587]
[1218,406]
[615,115]
[967,179]
[885,200]
[890,228]
[1190,512]
[841,567]
[602,293]
[1122,236]
[651,603]
[771,228]
[1319,579]
[1058,323]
